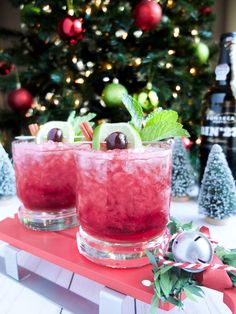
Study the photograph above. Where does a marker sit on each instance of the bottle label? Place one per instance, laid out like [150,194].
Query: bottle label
[219,125]
[215,131]
[221,72]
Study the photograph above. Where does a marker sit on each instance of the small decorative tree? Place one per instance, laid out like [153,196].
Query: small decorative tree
[217,197]
[182,172]
[7,175]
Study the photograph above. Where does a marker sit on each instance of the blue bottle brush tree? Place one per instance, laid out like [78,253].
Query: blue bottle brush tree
[7,175]
[182,172]
[217,197]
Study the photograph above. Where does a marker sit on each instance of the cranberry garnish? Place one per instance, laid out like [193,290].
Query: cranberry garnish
[55,135]
[116,140]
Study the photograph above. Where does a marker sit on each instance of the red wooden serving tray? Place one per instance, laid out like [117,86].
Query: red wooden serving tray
[61,249]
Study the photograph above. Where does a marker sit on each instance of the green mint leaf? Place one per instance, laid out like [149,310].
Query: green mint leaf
[75,121]
[189,295]
[169,116]
[187,226]
[175,301]
[194,290]
[154,304]
[166,284]
[163,130]
[151,258]
[164,269]
[134,109]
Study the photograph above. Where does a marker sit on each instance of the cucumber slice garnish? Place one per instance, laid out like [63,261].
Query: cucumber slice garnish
[66,128]
[102,131]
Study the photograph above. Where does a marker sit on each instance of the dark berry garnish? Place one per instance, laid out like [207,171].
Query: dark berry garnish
[116,140]
[55,135]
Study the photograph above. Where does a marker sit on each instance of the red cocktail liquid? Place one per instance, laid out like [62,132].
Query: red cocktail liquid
[45,179]
[124,195]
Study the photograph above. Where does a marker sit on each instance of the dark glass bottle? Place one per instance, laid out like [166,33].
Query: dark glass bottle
[219,109]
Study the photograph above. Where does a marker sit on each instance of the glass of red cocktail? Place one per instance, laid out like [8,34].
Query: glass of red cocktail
[124,198]
[46,184]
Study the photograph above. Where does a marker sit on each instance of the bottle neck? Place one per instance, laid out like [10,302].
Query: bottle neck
[223,69]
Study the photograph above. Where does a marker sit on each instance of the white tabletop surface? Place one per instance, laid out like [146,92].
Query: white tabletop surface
[15,299]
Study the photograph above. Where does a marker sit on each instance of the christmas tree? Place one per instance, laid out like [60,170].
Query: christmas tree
[182,171]
[69,53]
[217,197]
[7,175]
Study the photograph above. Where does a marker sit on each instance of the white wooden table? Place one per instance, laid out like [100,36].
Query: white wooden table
[49,291]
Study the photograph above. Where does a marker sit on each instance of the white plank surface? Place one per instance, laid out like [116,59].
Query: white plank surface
[15,299]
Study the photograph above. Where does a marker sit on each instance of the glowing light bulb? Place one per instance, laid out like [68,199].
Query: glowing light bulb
[175,95]
[170,4]
[88,10]
[169,65]
[178,88]
[43,108]
[80,80]
[106,79]
[138,33]
[49,96]
[176,32]
[74,60]
[171,52]
[194,32]
[47,8]
[108,66]
[192,71]
[68,79]
[88,73]
[97,3]
[71,12]
[56,102]
[77,102]
[138,61]
[198,141]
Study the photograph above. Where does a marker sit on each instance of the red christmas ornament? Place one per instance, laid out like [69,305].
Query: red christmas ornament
[20,100]
[205,10]
[6,67]
[147,14]
[70,29]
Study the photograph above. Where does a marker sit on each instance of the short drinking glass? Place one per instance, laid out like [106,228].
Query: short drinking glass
[124,198]
[46,184]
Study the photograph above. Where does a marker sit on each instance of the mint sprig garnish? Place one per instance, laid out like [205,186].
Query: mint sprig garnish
[163,130]
[158,125]
[134,109]
[75,121]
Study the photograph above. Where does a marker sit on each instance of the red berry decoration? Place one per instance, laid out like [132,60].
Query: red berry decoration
[147,14]
[6,67]
[20,100]
[116,140]
[70,29]
[55,135]
[205,10]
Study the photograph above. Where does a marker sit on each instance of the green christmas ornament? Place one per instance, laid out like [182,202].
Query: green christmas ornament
[202,52]
[147,98]
[113,93]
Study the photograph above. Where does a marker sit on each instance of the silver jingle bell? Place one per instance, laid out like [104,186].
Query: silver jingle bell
[192,247]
